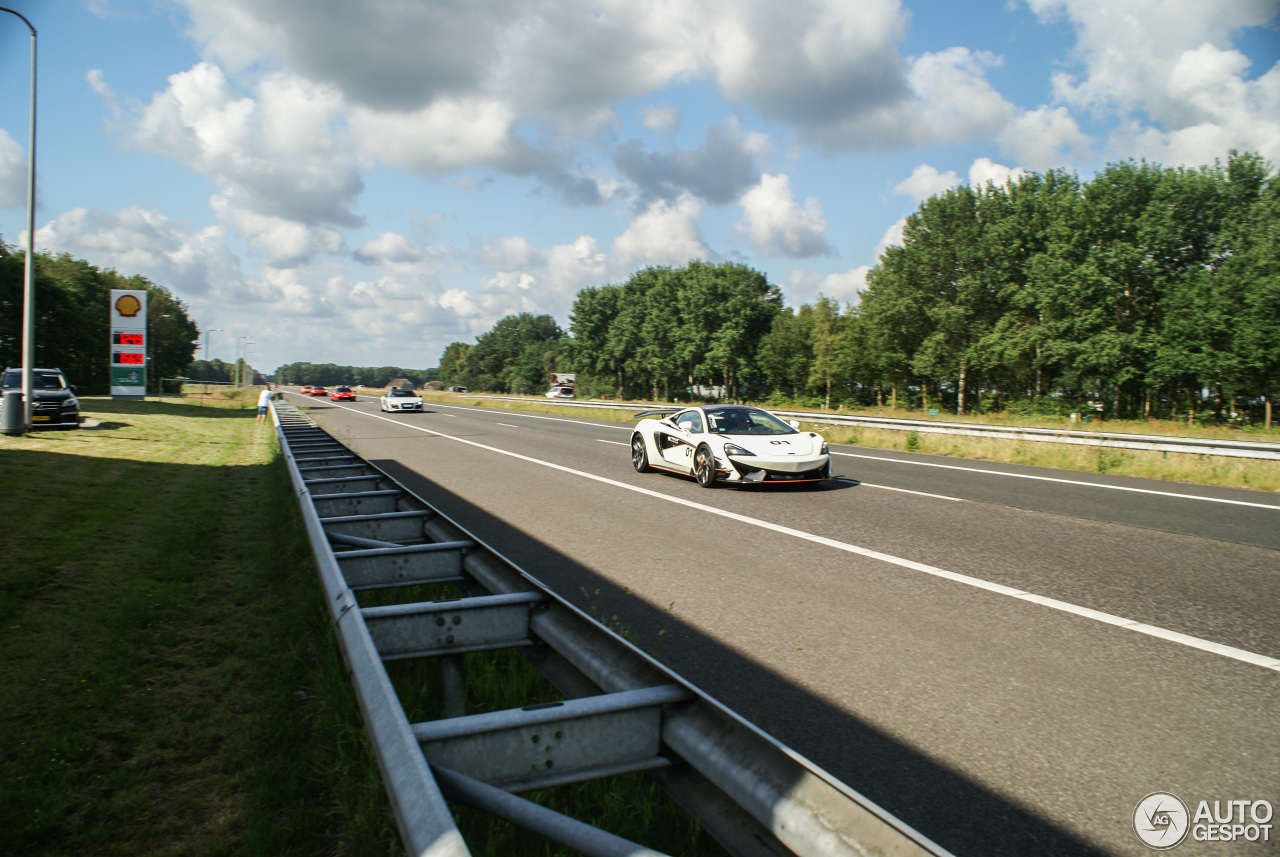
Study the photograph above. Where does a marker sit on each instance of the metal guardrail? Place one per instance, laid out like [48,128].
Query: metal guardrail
[622,710]
[1158,443]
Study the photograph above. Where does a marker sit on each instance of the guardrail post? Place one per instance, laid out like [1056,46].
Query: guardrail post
[453,687]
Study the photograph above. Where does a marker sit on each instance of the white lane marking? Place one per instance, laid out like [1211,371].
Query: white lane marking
[902,490]
[1064,481]
[539,417]
[977,583]
[508,425]
[616,442]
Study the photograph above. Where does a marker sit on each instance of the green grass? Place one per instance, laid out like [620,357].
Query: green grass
[171,681]
[171,685]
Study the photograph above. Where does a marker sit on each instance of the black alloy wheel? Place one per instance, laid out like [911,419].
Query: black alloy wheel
[704,467]
[639,457]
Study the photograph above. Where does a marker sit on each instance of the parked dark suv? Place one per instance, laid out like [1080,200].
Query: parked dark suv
[55,399]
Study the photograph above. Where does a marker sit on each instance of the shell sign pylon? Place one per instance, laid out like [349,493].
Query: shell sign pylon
[128,343]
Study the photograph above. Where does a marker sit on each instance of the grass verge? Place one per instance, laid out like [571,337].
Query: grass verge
[172,684]
[1219,470]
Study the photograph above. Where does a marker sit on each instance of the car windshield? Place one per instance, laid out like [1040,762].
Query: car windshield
[739,420]
[402,394]
[342,389]
[42,381]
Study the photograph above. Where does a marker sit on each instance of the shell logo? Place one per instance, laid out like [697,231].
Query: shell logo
[128,306]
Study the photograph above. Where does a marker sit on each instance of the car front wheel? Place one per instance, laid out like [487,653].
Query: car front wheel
[704,467]
[639,456]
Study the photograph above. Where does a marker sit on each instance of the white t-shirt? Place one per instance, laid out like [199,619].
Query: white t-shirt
[264,398]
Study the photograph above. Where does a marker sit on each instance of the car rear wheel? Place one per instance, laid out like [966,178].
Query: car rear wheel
[639,456]
[704,467]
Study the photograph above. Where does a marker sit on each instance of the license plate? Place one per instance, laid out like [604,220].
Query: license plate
[40,419]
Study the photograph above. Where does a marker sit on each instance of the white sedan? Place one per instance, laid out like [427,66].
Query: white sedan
[728,443]
[398,399]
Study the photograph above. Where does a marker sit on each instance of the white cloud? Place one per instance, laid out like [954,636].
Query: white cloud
[985,171]
[661,118]
[13,173]
[389,248]
[845,287]
[1046,138]
[925,181]
[949,98]
[272,155]
[195,263]
[892,237]
[284,243]
[777,226]
[829,68]
[666,233]
[445,135]
[1168,71]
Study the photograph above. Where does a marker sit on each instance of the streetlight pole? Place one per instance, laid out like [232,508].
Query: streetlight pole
[29,273]
[207,334]
[239,368]
[206,341]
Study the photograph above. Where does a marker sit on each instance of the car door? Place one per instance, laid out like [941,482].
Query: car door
[677,442]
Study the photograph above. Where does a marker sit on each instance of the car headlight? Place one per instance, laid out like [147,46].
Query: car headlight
[70,404]
[823,451]
[734,449]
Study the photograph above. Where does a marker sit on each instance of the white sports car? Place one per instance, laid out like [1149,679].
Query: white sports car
[399,399]
[728,443]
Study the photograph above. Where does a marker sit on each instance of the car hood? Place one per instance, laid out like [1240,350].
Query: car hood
[802,443]
[46,395]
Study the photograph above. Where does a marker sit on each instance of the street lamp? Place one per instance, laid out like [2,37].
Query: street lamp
[29,272]
[239,371]
[206,342]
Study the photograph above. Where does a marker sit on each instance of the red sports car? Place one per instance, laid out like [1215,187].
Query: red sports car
[340,393]
[318,391]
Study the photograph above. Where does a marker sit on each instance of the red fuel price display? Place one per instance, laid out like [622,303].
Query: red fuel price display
[119,338]
[128,358]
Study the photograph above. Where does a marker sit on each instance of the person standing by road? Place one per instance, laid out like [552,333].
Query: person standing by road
[264,400]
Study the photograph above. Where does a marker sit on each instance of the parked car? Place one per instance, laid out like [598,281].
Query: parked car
[559,393]
[457,389]
[55,402]
[342,393]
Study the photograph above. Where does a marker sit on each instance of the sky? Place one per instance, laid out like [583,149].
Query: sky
[363,183]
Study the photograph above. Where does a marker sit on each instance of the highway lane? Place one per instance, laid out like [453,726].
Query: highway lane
[975,716]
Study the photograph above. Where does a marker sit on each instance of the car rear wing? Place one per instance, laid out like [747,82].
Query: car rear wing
[658,412]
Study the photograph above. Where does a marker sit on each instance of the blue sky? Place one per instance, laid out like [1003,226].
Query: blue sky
[364,183]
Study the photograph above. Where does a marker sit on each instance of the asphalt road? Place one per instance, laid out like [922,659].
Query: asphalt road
[1008,658]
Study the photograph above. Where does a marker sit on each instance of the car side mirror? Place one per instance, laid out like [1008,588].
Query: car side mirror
[71,387]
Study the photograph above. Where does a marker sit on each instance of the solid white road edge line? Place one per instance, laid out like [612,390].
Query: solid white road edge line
[615,442]
[507,425]
[998,588]
[1064,481]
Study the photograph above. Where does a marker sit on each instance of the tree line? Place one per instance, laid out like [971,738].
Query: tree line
[72,321]
[1146,291]
[329,374]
